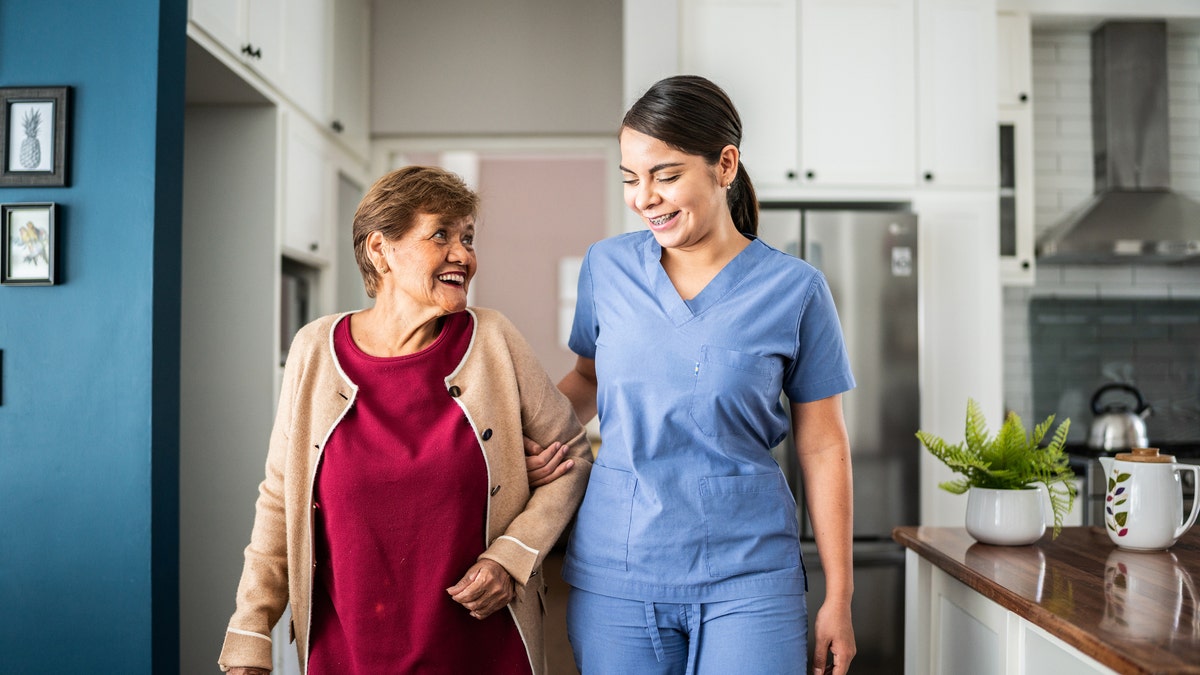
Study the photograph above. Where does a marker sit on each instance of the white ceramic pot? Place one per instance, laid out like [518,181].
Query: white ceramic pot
[1006,517]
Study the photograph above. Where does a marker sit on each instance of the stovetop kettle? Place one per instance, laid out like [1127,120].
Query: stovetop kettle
[1116,426]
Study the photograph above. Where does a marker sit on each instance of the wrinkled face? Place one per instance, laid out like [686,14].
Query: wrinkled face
[433,263]
[680,197]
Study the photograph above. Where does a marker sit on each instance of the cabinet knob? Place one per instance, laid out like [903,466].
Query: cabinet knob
[810,174]
[928,176]
[313,247]
[1023,97]
[1024,264]
[336,125]
[791,175]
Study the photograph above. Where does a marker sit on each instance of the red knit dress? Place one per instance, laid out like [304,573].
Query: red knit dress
[400,502]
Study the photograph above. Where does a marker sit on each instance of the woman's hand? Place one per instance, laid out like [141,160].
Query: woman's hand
[249,671]
[834,636]
[485,588]
[544,465]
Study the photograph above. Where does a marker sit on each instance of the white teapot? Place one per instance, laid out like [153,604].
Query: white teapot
[1144,506]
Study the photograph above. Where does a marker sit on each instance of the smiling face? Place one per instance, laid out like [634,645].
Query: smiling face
[431,265]
[680,197]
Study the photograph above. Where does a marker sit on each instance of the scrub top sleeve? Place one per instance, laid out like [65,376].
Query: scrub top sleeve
[585,329]
[822,366]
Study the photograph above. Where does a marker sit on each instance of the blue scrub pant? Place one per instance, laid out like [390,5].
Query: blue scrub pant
[752,635]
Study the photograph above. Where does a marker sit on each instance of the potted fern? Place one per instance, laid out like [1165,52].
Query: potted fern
[1004,477]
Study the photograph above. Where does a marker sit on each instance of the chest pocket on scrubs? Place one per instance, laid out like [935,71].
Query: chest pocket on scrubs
[601,535]
[749,524]
[734,391]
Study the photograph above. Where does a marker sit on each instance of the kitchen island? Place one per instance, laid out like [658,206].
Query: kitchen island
[1075,604]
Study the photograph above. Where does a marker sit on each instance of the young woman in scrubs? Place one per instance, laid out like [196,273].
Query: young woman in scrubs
[685,557]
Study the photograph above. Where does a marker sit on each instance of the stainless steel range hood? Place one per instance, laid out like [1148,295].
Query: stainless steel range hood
[1134,217]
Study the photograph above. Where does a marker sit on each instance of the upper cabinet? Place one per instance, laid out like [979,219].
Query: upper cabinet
[312,53]
[957,98]
[875,94]
[857,92]
[251,30]
[1014,69]
[761,75]
[348,74]
[1014,106]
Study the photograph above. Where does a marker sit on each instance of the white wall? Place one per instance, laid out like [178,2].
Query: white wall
[486,68]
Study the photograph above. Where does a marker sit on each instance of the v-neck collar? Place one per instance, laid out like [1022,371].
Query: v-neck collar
[681,311]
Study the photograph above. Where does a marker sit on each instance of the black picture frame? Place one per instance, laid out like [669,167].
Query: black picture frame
[28,244]
[30,119]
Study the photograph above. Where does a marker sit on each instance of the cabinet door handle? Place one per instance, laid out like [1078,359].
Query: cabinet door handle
[249,50]
[810,174]
[928,176]
[1023,97]
[336,125]
[791,175]
[313,247]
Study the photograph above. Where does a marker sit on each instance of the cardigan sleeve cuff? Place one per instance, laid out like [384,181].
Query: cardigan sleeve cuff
[514,556]
[245,649]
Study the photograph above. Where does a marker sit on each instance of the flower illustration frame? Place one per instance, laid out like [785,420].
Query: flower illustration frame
[28,243]
[34,130]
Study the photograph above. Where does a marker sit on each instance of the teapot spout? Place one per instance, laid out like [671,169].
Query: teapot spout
[1107,463]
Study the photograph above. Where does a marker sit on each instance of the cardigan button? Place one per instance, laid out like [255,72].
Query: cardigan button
[455,391]
[487,433]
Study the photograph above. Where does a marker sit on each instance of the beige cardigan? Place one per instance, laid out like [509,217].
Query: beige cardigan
[504,393]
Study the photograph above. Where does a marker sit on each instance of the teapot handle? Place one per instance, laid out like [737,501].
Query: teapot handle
[1141,402]
[1191,519]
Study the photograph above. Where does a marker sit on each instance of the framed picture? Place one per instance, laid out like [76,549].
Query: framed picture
[33,124]
[27,232]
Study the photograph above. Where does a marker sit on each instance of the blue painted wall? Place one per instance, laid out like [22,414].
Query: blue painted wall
[89,421]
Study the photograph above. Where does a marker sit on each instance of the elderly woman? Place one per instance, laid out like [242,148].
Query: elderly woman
[397,515]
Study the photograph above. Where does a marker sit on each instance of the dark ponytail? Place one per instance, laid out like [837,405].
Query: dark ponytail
[693,115]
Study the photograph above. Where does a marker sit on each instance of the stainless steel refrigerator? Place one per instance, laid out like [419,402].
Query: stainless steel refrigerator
[870,261]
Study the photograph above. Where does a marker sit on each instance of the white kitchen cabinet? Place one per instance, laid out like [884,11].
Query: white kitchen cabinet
[760,75]
[1014,85]
[347,75]
[951,629]
[1016,212]
[251,30]
[854,93]
[825,88]
[308,183]
[306,53]
[286,43]
[857,92]
[1014,64]
[957,95]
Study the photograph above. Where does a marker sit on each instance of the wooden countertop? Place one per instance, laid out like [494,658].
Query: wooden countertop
[1135,612]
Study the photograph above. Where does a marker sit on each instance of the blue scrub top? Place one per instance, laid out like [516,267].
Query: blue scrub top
[685,502]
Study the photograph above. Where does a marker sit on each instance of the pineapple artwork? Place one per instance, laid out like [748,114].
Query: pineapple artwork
[31,145]
[31,136]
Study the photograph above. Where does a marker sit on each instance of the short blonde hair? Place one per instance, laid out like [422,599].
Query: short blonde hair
[392,204]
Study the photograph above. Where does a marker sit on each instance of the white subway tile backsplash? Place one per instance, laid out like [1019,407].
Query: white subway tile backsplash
[1179,292]
[1169,274]
[1075,91]
[1098,274]
[1138,291]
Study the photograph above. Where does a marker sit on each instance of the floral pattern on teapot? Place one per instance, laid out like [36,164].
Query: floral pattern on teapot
[1116,510]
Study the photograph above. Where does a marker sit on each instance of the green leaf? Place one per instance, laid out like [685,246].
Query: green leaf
[1121,518]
